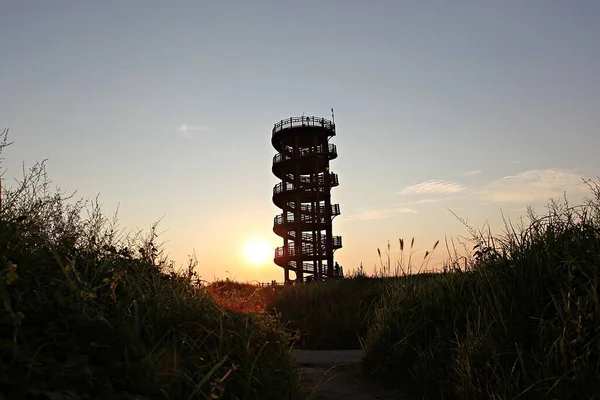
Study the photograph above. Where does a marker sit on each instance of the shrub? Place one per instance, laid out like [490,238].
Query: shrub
[329,315]
[91,313]
[522,320]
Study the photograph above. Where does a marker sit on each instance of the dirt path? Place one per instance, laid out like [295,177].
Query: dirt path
[338,371]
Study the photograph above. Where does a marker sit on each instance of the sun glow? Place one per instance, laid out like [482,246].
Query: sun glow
[257,251]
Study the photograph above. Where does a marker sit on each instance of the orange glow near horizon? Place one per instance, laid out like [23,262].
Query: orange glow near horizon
[257,251]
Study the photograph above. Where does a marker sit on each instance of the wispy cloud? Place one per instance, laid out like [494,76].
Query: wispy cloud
[525,187]
[434,187]
[186,130]
[529,186]
[380,213]
[426,201]
[420,201]
[522,189]
[469,173]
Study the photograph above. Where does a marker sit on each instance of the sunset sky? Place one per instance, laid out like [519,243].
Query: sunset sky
[165,109]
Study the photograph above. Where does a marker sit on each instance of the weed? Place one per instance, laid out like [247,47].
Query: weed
[89,312]
[517,318]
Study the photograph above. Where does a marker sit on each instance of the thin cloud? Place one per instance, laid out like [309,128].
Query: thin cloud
[426,201]
[525,187]
[521,189]
[421,201]
[186,129]
[532,185]
[381,213]
[434,187]
[469,173]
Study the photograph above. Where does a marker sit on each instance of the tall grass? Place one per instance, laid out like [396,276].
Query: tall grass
[88,312]
[405,264]
[337,315]
[243,297]
[520,319]
[329,315]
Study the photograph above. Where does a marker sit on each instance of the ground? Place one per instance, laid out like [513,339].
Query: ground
[338,371]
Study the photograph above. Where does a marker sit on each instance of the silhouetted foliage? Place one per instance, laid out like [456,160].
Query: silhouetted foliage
[89,312]
[521,320]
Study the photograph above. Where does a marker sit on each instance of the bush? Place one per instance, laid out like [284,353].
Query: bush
[243,297]
[522,320]
[337,314]
[90,313]
[329,315]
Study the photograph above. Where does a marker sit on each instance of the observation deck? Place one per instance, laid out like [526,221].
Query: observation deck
[304,196]
[302,129]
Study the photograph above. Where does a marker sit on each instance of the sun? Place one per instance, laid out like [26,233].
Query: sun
[257,251]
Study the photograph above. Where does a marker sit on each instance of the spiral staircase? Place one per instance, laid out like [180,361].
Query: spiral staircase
[304,196]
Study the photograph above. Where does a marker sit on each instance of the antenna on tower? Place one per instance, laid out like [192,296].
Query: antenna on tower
[332,116]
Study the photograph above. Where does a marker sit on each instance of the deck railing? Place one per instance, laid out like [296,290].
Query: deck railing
[319,182]
[329,150]
[306,248]
[297,122]
[307,215]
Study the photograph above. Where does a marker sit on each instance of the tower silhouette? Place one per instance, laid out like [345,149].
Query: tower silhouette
[304,196]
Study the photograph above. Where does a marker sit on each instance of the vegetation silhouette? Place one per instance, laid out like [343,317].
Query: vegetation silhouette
[90,312]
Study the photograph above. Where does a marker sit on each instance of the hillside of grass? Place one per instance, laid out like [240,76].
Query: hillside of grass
[90,312]
[243,297]
[328,315]
[334,315]
[519,319]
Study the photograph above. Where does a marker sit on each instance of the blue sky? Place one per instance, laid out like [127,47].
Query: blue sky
[166,109]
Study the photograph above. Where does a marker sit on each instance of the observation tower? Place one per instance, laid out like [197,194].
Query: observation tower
[304,196]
